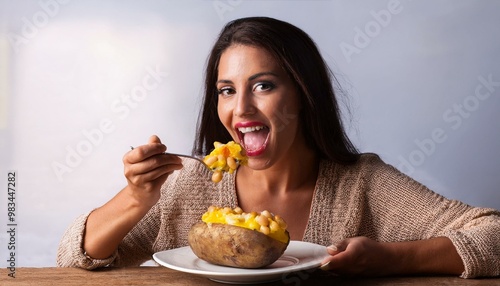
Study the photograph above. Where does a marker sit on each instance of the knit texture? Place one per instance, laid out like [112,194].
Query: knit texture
[369,198]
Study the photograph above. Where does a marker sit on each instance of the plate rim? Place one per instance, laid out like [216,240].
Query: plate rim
[244,272]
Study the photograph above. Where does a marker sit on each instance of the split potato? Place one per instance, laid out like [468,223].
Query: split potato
[241,244]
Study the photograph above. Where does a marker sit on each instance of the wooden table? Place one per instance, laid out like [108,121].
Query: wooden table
[164,276]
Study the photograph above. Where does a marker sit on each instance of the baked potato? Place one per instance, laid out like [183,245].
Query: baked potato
[230,237]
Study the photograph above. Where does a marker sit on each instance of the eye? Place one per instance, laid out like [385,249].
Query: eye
[263,86]
[225,91]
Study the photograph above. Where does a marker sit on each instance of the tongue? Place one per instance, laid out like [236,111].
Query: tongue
[254,140]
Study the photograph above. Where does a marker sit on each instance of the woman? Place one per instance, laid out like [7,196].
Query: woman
[268,88]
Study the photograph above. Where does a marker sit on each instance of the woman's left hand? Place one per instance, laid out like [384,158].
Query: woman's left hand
[359,256]
[364,256]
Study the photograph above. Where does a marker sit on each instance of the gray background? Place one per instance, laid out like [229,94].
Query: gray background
[413,72]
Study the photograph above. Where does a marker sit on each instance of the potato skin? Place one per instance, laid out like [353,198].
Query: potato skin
[234,246]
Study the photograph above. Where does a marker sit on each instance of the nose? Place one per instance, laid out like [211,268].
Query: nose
[244,104]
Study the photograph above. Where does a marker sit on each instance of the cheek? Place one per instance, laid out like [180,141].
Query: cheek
[285,115]
[225,114]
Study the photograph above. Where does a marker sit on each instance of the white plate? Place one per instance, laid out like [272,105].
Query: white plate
[298,256]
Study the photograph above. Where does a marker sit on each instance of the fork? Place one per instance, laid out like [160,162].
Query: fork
[185,156]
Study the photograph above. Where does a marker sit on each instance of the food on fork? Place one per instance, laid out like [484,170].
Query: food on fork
[225,158]
[231,237]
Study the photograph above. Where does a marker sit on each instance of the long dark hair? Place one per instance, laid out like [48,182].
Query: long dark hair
[298,55]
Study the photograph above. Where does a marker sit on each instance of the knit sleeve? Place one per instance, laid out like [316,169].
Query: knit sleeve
[399,208]
[184,197]
[70,252]
[135,248]
[477,242]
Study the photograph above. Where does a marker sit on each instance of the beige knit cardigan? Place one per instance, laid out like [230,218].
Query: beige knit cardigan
[369,198]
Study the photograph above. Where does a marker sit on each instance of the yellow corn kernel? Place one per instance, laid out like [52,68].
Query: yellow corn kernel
[262,220]
[274,226]
[253,220]
[264,230]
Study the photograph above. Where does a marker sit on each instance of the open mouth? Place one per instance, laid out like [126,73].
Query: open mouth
[253,138]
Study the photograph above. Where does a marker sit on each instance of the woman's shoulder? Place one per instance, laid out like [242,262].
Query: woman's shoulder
[366,162]
[369,169]
[368,159]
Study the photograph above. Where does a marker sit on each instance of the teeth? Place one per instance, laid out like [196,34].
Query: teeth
[250,129]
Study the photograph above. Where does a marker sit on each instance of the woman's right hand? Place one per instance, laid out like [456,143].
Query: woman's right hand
[146,169]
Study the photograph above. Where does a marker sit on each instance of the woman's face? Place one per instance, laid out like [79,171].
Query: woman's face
[258,104]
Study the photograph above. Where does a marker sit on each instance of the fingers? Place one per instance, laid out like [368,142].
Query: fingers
[154,139]
[154,147]
[335,262]
[152,168]
[337,247]
[148,162]
[357,256]
[335,250]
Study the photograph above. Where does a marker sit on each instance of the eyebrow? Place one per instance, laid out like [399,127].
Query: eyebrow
[253,77]
[257,75]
